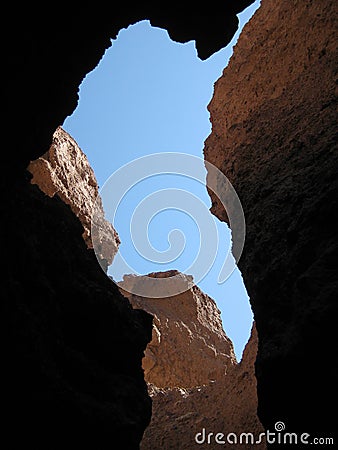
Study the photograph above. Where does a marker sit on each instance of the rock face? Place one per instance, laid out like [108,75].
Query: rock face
[193,377]
[190,361]
[228,405]
[71,364]
[274,126]
[189,346]
[65,170]
[61,352]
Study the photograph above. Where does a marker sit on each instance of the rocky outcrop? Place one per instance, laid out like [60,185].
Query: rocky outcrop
[274,126]
[289,262]
[193,377]
[189,346]
[71,361]
[190,361]
[65,170]
[228,405]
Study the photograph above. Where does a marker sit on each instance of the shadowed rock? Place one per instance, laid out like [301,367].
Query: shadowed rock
[274,125]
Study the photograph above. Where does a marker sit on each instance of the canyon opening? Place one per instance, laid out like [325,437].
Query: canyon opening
[136,141]
[87,360]
[149,95]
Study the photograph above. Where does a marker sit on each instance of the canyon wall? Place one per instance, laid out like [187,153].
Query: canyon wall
[64,170]
[70,341]
[274,135]
[183,418]
[189,346]
[73,346]
[189,364]
[196,385]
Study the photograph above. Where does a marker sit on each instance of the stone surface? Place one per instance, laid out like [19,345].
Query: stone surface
[65,170]
[193,377]
[71,361]
[72,344]
[189,346]
[226,405]
[289,264]
[190,361]
[274,125]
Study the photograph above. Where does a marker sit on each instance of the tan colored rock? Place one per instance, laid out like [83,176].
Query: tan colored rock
[64,170]
[190,365]
[228,405]
[193,377]
[189,346]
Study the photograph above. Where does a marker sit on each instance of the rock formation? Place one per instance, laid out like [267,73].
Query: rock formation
[73,344]
[228,405]
[274,125]
[71,364]
[190,361]
[189,346]
[65,170]
[62,357]
[193,377]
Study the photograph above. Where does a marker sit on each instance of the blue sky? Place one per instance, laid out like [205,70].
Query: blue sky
[150,95]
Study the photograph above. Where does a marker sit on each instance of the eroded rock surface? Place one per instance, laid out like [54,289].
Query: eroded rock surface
[189,363]
[274,124]
[189,346]
[71,362]
[193,377]
[72,344]
[228,405]
[289,263]
[64,170]
[57,390]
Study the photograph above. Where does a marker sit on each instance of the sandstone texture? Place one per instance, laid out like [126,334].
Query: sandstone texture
[189,346]
[69,375]
[274,135]
[226,405]
[189,363]
[192,374]
[65,170]
[72,346]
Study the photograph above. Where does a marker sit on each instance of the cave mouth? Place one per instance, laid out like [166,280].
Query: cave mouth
[149,95]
